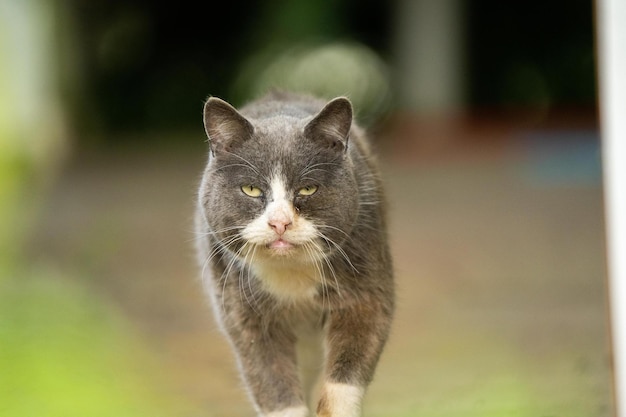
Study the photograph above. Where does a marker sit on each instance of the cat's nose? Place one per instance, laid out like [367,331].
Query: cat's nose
[279,225]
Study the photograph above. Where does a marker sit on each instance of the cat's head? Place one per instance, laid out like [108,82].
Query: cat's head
[279,186]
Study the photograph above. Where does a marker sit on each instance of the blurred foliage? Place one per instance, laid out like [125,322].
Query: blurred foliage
[149,66]
[15,207]
[64,352]
[31,125]
[326,70]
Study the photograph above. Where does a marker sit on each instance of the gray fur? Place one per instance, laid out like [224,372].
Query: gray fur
[312,142]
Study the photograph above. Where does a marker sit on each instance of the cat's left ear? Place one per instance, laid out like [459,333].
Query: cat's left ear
[331,126]
[225,127]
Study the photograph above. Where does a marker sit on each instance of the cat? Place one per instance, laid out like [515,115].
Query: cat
[294,251]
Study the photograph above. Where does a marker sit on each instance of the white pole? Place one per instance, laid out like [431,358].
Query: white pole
[429,54]
[611,31]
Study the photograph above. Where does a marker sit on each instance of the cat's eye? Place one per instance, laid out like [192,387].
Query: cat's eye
[306,191]
[251,191]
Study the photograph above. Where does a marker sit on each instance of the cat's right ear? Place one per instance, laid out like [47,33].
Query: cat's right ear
[224,126]
[331,126]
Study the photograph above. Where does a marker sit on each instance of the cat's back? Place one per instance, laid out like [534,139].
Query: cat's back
[283,104]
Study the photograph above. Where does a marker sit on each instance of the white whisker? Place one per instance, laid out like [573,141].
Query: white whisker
[316,263]
[314,167]
[242,287]
[333,228]
[339,249]
[220,248]
[247,163]
[334,275]
[203,234]
[228,270]
[235,165]
[331,269]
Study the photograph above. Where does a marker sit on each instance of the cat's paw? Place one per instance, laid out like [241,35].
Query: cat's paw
[340,400]
[300,411]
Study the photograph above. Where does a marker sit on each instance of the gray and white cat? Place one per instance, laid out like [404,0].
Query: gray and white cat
[294,251]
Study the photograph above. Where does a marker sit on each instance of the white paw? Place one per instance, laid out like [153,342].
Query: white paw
[301,411]
[341,400]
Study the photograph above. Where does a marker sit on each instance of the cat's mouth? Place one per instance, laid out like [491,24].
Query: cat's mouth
[281,246]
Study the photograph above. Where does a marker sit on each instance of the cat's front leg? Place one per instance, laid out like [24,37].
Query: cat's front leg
[267,360]
[356,336]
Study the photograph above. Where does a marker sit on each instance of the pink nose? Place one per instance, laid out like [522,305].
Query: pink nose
[279,225]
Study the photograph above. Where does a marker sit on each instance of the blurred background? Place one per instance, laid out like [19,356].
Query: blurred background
[483,113]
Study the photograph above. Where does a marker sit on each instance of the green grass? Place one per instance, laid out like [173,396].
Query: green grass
[64,352]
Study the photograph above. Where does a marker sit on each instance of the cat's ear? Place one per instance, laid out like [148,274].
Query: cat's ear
[331,126]
[224,126]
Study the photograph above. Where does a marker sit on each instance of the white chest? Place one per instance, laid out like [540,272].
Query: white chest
[289,281]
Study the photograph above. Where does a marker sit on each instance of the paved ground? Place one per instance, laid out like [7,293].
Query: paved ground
[500,265]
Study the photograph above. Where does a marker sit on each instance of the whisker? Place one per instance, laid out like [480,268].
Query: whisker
[236,165]
[227,271]
[314,167]
[220,248]
[333,228]
[223,245]
[242,288]
[334,275]
[339,249]
[203,234]
[247,163]
[309,179]
[331,269]
[316,262]
[252,293]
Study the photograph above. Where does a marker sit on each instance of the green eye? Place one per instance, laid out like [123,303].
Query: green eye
[251,191]
[305,191]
